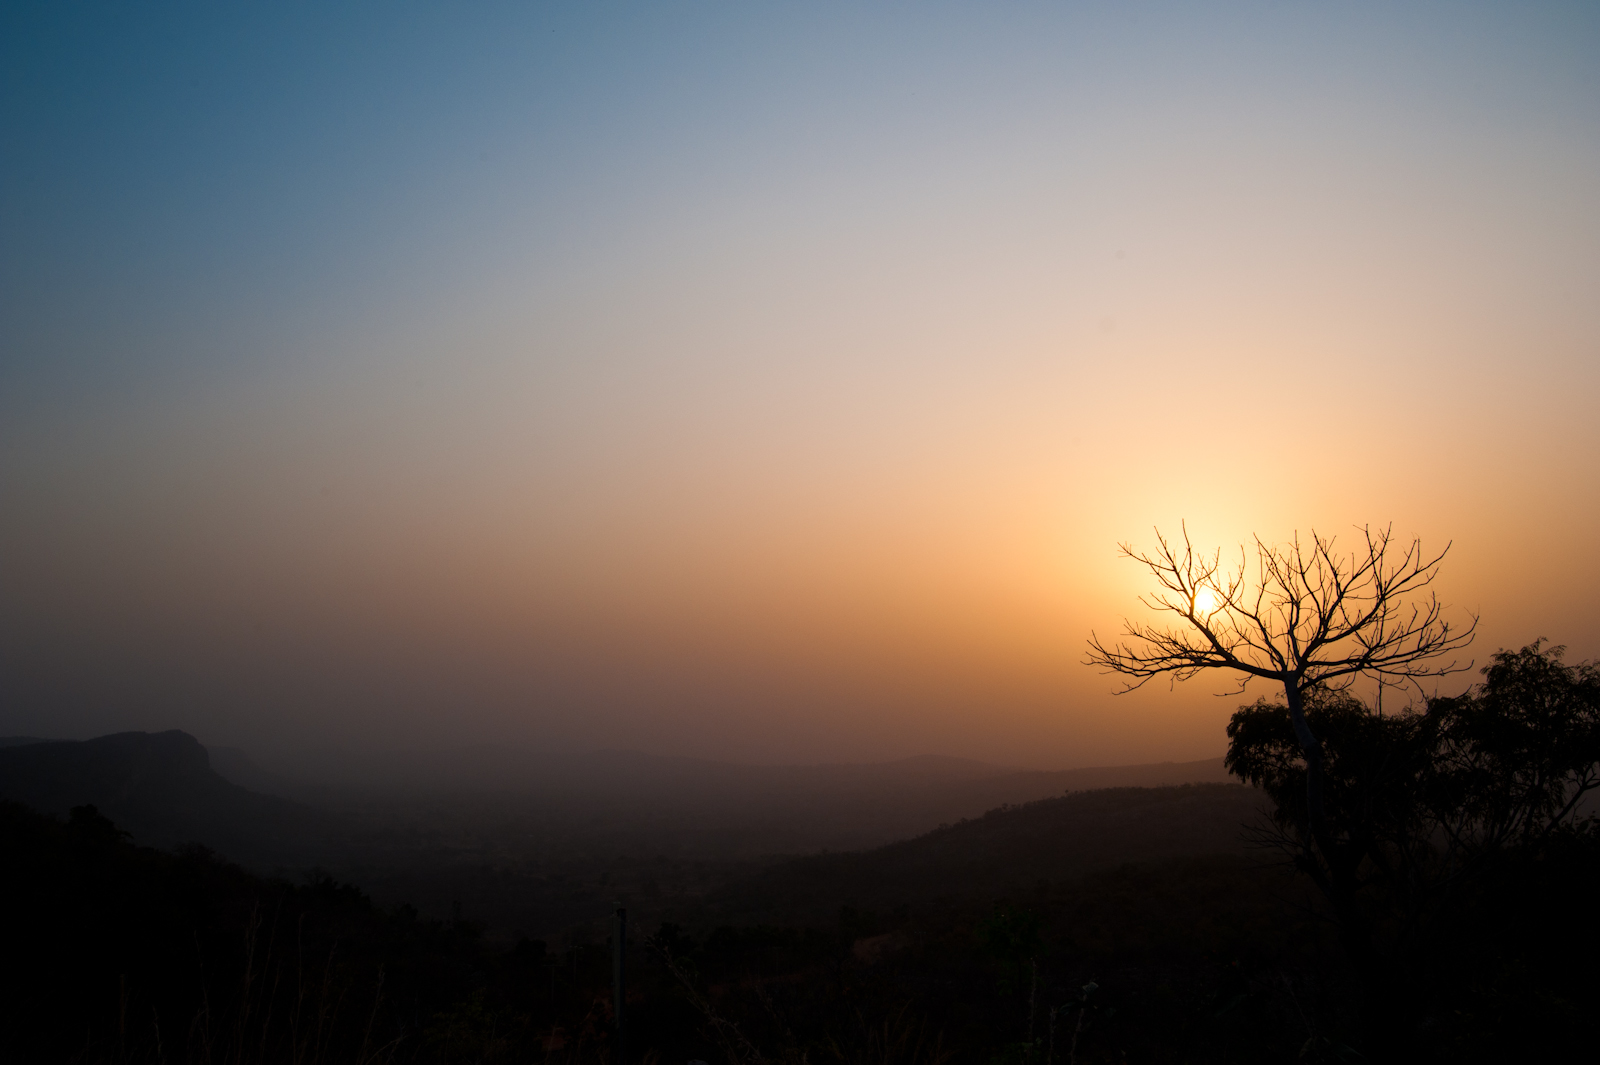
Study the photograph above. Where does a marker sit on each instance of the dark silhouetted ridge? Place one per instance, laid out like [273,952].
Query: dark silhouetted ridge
[1006,851]
[160,787]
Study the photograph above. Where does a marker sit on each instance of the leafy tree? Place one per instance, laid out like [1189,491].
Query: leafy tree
[1438,821]
[1426,797]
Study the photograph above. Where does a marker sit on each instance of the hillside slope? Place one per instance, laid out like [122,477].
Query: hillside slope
[1007,851]
[160,787]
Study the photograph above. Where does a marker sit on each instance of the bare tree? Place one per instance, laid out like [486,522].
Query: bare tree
[1308,616]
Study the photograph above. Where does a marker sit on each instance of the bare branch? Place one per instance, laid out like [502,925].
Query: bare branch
[1313,616]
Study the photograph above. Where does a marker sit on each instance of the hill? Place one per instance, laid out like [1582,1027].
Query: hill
[161,789]
[1009,851]
[547,863]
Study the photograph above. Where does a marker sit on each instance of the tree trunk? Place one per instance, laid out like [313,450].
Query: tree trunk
[1382,1007]
[1311,747]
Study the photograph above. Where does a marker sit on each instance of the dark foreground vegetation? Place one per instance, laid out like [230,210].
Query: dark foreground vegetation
[132,954]
[1443,911]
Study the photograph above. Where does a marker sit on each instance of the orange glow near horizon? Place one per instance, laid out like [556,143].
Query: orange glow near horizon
[787,402]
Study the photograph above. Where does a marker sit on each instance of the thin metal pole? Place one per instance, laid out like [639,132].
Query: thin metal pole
[619,981]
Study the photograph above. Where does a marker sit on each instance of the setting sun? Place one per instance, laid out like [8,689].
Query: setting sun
[1206,601]
[895,504]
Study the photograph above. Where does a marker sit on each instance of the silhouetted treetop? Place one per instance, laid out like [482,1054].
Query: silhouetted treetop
[1308,615]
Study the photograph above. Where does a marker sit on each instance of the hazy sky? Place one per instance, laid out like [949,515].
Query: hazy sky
[765,381]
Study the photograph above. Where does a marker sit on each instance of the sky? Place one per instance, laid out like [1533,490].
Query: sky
[769,382]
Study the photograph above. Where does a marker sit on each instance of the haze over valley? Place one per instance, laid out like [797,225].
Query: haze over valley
[511,836]
[622,533]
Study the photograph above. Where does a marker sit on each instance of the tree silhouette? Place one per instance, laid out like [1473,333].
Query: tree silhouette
[1308,618]
[1455,832]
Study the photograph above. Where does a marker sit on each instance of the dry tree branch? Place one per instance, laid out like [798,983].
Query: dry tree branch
[1314,616]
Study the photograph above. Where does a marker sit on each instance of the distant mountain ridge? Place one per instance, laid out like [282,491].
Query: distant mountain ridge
[631,799]
[514,769]
[161,788]
[1007,851]
[591,824]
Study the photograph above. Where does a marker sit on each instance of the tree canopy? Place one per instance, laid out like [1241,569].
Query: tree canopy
[1441,821]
